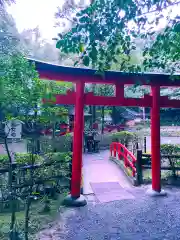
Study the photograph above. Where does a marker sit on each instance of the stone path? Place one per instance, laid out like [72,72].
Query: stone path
[97,168]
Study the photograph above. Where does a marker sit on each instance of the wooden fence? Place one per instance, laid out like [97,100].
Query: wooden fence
[46,178]
[143,162]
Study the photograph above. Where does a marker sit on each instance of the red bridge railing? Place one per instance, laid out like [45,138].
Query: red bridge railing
[123,154]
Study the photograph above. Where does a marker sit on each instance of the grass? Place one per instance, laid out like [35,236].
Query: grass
[38,221]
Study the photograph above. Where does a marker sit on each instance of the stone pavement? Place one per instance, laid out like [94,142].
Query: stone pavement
[97,168]
[103,180]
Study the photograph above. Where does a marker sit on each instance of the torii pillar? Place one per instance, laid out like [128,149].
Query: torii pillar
[155,143]
[75,198]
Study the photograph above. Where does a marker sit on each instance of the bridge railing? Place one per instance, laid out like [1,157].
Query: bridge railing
[119,150]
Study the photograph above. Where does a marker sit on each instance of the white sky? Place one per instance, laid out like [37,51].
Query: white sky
[33,13]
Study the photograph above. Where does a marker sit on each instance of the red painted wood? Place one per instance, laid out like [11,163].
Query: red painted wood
[155,139]
[165,102]
[78,76]
[78,141]
[116,147]
[71,78]
[126,79]
[90,99]
[62,73]
[119,91]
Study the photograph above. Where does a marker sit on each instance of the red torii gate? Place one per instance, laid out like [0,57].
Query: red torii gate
[80,76]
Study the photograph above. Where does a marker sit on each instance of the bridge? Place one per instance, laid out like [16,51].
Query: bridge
[103,177]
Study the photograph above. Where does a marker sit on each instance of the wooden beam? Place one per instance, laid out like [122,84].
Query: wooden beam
[91,99]
[71,74]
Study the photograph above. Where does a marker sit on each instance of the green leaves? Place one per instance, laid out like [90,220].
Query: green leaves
[81,47]
[84,19]
[59,44]
[104,35]
[86,61]
[177,28]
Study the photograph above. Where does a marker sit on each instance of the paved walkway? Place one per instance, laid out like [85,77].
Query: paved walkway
[97,168]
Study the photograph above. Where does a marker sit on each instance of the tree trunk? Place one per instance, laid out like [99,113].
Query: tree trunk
[26,225]
[29,199]
[54,130]
[11,193]
[90,112]
[102,116]
[114,115]
[94,114]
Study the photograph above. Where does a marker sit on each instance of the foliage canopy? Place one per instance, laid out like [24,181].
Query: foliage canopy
[107,30]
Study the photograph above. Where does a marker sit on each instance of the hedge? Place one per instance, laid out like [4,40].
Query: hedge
[64,143]
[124,137]
[26,158]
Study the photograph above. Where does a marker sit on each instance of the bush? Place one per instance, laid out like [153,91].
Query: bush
[124,137]
[170,149]
[57,144]
[26,158]
[21,158]
[60,158]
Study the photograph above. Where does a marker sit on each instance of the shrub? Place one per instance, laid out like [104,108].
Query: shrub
[57,144]
[26,158]
[21,158]
[124,137]
[62,158]
[170,149]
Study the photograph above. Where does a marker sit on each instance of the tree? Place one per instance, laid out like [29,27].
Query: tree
[102,32]
[164,53]
[103,90]
[3,2]
[19,81]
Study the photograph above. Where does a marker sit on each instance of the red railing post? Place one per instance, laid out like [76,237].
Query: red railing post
[111,149]
[119,151]
[125,158]
[114,147]
[123,153]
[133,172]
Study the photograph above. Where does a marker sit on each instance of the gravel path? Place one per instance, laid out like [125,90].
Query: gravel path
[142,218]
